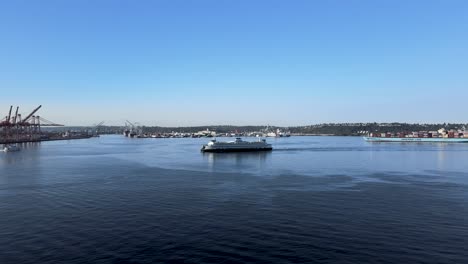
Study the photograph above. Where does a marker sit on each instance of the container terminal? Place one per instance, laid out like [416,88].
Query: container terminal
[18,128]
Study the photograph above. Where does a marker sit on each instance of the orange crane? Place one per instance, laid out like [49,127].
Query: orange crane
[25,120]
[9,115]
[16,116]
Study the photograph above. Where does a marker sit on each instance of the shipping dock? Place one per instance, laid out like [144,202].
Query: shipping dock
[18,128]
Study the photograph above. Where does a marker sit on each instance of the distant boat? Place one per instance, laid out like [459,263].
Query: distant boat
[236,146]
[11,148]
[278,133]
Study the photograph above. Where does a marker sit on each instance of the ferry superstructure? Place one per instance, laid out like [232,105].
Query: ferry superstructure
[236,146]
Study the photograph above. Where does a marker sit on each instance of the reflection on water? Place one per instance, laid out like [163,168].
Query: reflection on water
[32,150]
[237,160]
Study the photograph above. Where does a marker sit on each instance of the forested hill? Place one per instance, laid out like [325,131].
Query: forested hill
[339,129]
[349,129]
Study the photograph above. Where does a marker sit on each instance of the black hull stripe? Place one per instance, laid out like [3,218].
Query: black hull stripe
[236,150]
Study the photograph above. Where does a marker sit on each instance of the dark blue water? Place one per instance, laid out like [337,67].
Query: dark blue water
[313,199]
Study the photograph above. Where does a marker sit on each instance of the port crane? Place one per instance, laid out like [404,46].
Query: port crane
[97,128]
[131,129]
[16,128]
[25,120]
[16,115]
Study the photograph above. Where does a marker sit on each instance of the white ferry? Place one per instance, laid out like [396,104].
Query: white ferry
[236,146]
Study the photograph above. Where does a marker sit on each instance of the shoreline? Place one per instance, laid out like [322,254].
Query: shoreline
[41,140]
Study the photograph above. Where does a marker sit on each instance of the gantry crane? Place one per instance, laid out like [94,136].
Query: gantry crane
[15,128]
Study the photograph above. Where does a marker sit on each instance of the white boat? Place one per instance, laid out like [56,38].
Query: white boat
[236,146]
[11,148]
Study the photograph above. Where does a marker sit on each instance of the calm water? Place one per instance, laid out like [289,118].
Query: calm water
[313,199]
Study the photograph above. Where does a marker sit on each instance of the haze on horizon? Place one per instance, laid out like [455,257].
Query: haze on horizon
[286,63]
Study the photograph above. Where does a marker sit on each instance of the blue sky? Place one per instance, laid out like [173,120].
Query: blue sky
[239,62]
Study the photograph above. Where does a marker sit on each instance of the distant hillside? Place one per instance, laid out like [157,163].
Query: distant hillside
[341,129]
[338,129]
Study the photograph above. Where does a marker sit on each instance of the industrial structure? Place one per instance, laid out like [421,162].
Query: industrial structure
[18,128]
[132,129]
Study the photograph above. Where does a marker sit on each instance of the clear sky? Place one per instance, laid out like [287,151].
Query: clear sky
[172,62]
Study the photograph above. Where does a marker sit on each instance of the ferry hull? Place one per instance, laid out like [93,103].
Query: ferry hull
[433,140]
[219,150]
